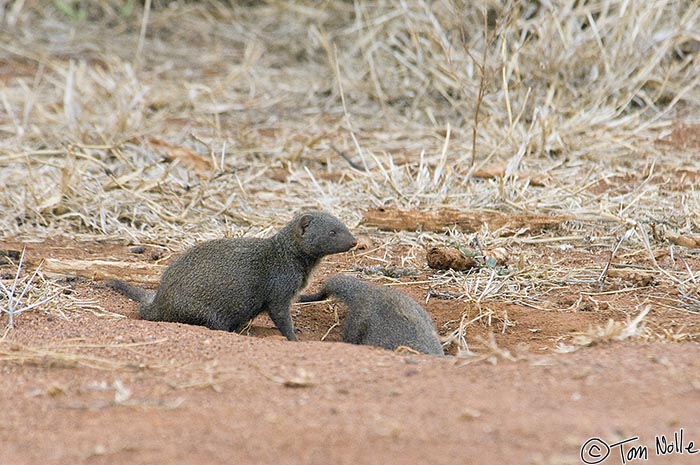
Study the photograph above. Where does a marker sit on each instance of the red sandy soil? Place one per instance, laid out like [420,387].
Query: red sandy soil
[91,390]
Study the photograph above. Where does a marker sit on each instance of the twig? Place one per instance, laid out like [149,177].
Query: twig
[142,33]
[604,273]
[347,158]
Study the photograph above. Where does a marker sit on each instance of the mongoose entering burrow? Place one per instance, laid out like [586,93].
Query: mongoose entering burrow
[224,283]
[380,316]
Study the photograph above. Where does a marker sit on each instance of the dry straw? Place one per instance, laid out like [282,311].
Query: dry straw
[194,120]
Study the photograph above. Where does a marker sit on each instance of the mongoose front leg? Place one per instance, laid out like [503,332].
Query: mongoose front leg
[282,318]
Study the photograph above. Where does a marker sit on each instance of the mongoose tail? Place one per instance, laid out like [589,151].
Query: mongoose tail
[143,296]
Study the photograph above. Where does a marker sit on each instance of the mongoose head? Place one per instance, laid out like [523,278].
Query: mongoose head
[320,234]
[342,285]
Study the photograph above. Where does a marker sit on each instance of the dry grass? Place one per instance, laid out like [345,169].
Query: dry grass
[14,294]
[26,291]
[202,120]
[611,331]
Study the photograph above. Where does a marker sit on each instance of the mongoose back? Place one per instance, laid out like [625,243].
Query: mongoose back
[224,283]
[380,316]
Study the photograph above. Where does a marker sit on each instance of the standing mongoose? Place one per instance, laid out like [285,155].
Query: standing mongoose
[380,316]
[224,283]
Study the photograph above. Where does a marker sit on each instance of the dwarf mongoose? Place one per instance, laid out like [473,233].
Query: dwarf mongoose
[380,316]
[224,283]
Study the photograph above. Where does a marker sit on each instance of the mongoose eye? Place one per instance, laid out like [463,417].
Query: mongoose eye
[332,233]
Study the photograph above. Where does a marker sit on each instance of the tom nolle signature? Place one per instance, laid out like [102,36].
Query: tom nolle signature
[595,450]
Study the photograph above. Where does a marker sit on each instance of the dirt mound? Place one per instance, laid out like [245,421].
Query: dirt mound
[91,390]
[87,387]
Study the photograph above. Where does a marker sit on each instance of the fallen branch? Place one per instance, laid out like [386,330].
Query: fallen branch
[691,242]
[192,160]
[396,219]
[499,171]
[449,258]
[133,272]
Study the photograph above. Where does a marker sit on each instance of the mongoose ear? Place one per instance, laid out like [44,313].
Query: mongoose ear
[304,222]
